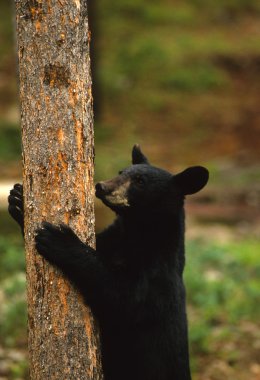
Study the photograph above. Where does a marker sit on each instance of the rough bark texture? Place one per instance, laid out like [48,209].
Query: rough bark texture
[57,139]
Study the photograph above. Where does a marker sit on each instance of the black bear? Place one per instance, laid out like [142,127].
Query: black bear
[133,280]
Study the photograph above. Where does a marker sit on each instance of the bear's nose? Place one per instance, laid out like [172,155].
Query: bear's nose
[100,188]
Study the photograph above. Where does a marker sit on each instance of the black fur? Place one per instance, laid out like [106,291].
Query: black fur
[133,281]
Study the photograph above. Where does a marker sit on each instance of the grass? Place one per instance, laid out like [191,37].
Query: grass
[229,277]
[222,282]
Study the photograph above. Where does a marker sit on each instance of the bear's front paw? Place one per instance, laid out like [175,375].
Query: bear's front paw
[57,243]
[15,204]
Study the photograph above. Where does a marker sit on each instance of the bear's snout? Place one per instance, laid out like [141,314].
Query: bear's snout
[101,189]
[104,188]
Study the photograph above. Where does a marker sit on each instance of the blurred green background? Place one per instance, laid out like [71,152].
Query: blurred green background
[182,79]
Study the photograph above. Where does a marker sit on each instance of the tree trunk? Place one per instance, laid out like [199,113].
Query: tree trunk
[57,140]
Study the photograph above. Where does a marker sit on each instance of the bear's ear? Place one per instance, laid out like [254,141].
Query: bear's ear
[138,157]
[191,180]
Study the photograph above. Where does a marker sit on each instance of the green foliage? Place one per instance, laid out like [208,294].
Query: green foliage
[6,32]
[10,142]
[239,6]
[19,370]
[151,55]
[12,290]
[156,14]
[222,282]
[194,79]
[13,318]
[11,257]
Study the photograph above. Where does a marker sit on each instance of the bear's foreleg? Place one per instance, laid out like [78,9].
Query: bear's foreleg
[80,263]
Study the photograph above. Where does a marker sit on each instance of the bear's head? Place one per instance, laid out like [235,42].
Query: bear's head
[143,186]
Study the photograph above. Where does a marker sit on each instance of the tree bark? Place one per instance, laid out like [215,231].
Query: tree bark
[57,140]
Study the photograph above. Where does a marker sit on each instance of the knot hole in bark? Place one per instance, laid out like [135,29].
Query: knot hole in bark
[56,75]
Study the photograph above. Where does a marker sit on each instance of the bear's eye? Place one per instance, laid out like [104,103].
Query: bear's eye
[139,180]
[120,172]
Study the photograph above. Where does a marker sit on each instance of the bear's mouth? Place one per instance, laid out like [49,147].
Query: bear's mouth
[113,200]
